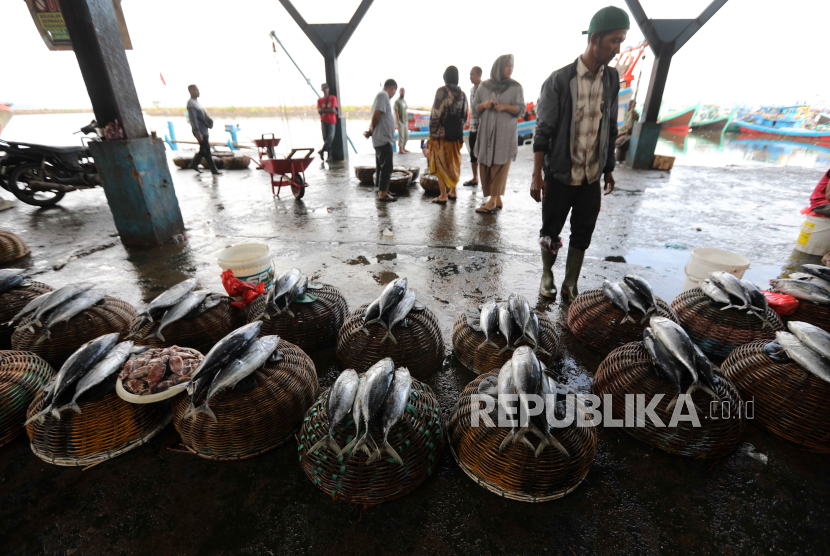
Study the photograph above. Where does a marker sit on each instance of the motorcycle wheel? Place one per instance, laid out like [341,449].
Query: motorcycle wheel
[19,185]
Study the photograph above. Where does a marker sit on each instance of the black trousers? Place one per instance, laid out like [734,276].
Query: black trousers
[582,201]
[383,166]
[204,152]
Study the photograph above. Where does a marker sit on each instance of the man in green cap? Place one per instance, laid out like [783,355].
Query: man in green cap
[576,127]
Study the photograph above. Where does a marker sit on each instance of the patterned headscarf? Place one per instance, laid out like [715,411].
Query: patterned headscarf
[497,82]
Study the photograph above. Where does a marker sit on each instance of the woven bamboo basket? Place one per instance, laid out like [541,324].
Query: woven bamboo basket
[252,422]
[420,346]
[105,428]
[200,333]
[112,315]
[365,174]
[516,473]
[415,171]
[314,325]
[22,376]
[628,370]
[417,437]
[183,162]
[12,247]
[465,342]
[11,302]
[399,181]
[406,170]
[596,322]
[429,183]
[789,401]
[813,313]
[719,332]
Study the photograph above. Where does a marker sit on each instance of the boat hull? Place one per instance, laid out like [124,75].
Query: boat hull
[717,125]
[788,132]
[679,122]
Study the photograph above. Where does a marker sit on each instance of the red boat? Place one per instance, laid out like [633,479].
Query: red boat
[679,122]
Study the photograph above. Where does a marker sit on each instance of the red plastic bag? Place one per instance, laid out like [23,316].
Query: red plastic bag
[781,303]
[236,288]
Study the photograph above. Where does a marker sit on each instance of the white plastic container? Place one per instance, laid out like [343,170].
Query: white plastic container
[814,238]
[250,262]
[706,260]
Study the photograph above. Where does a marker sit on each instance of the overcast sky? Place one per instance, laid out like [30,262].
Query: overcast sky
[751,51]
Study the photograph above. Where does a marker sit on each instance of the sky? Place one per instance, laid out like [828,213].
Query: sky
[752,51]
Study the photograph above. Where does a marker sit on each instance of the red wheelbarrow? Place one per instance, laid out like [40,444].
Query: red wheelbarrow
[291,171]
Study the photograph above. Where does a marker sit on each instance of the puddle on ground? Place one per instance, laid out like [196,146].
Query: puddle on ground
[445,270]
[359,260]
[384,277]
[387,256]
[614,259]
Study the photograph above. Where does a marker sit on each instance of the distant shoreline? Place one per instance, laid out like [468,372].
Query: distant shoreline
[228,111]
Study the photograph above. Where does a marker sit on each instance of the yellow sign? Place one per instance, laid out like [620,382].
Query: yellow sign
[806,230]
[51,26]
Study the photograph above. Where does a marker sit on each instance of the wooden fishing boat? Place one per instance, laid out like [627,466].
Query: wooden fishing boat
[714,124]
[792,133]
[678,122]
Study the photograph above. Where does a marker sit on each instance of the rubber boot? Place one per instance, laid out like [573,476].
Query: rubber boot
[547,288]
[573,266]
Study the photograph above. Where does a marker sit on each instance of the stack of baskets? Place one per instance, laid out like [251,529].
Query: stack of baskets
[252,422]
[719,332]
[516,473]
[419,347]
[11,302]
[629,370]
[598,324]
[314,325]
[22,376]
[417,437]
[788,401]
[12,247]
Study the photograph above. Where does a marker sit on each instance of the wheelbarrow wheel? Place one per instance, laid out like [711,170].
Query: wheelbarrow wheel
[297,186]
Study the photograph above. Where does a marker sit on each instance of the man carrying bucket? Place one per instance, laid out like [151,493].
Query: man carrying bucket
[576,128]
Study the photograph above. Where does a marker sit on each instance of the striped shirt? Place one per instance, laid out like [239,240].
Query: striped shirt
[585,163]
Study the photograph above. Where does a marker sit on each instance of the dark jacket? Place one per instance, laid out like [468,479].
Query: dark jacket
[554,121]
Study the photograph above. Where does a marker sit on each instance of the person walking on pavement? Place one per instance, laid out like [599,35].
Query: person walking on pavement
[475,78]
[327,108]
[382,132]
[576,128]
[402,121]
[446,135]
[200,123]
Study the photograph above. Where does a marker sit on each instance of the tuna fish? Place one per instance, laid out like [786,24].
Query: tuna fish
[398,313]
[811,336]
[644,289]
[802,290]
[378,379]
[507,327]
[167,299]
[738,296]
[391,295]
[371,313]
[617,297]
[69,309]
[58,298]
[806,358]
[776,352]
[636,300]
[520,310]
[527,379]
[177,312]
[713,292]
[296,291]
[224,350]
[101,378]
[392,410]
[30,307]
[507,387]
[283,284]
[357,415]
[678,343]
[817,270]
[338,405]
[665,362]
[489,323]
[533,332]
[549,390]
[11,278]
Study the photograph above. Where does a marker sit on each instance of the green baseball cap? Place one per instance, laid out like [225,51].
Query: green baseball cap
[607,19]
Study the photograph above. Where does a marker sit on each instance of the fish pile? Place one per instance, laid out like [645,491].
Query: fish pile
[813,285]
[157,370]
[231,364]
[11,278]
[632,293]
[180,302]
[742,295]
[673,354]
[57,306]
[806,344]
[390,309]
[379,397]
[514,319]
[285,290]
[90,372]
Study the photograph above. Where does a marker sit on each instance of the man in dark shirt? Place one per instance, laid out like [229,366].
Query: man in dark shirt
[200,123]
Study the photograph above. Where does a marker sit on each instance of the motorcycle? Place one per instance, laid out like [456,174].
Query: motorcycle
[41,175]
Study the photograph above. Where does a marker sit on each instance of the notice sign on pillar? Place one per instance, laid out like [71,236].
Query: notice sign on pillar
[49,22]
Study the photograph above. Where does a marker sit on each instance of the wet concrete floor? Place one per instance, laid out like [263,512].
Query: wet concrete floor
[634,500]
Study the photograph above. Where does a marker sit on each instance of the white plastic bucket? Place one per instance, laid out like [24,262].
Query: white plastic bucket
[814,238]
[250,262]
[706,260]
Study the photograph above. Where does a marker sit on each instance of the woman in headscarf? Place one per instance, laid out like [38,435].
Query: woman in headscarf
[500,102]
[446,134]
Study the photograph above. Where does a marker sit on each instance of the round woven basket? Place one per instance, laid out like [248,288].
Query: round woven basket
[719,332]
[314,325]
[22,376]
[415,171]
[200,333]
[417,438]
[628,370]
[406,170]
[105,428]
[11,302]
[465,342]
[252,422]
[516,473]
[112,315]
[399,181]
[789,401]
[365,174]
[596,322]
[429,183]
[12,247]
[813,313]
[420,346]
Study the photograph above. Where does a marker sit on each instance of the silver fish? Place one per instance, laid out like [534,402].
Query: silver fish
[806,358]
[167,299]
[11,278]
[68,310]
[283,284]
[738,297]
[802,290]
[106,368]
[489,387]
[398,313]
[10,272]
[489,323]
[378,379]
[520,310]
[507,327]
[811,336]
[371,313]
[527,376]
[506,386]
[338,405]
[30,307]
[357,414]
[178,311]
[665,362]
[391,295]
[644,289]
[678,343]
[212,300]
[713,292]
[58,298]
[817,281]
[224,350]
[392,410]
[757,302]
[636,300]
[297,291]
[617,297]
[817,270]
[549,390]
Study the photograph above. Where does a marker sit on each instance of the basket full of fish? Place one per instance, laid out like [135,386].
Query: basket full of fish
[78,419]
[393,325]
[55,324]
[185,316]
[616,314]
[307,314]
[532,459]
[373,437]
[246,397]
[724,313]
[484,338]
[22,376]
[812,290]
[16,291]
[697,412]
[789,381]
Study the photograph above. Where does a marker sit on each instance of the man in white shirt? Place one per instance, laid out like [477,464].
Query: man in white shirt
[382,132]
